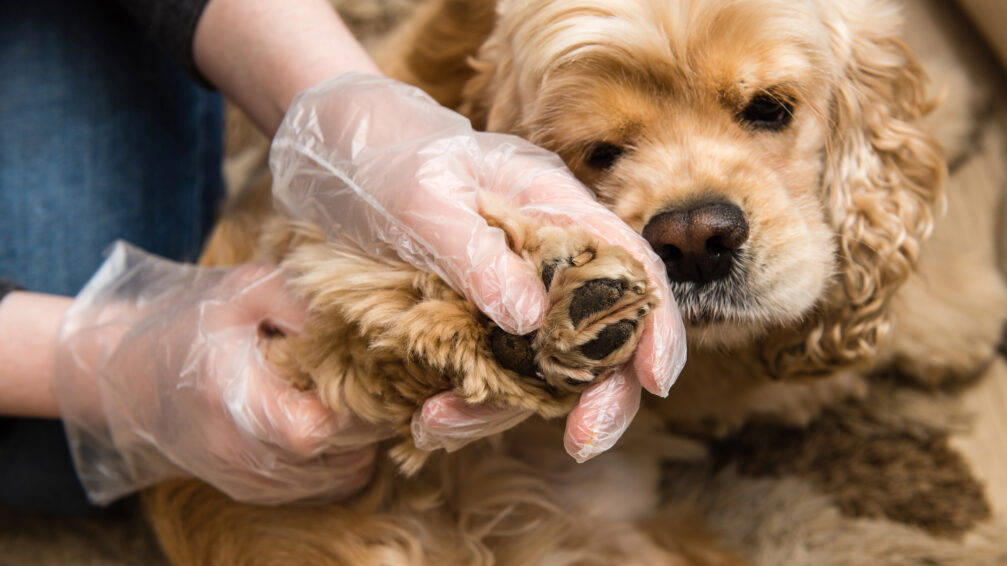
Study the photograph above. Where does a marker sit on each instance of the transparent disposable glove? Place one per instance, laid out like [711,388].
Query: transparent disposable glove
[159,374]
[381,165]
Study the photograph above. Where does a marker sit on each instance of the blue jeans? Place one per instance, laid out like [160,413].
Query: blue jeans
[101,137]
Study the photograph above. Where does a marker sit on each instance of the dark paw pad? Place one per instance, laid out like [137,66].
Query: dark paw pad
[594,297]
[609,340]
[513,352]
[549,271]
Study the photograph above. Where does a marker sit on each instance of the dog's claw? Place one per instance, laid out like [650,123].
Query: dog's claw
[550,268]
[582,258]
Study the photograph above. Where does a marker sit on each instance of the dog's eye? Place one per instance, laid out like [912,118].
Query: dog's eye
[768,112]
[603,155]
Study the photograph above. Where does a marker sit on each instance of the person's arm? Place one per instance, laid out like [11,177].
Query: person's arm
[260,53]
[29,326]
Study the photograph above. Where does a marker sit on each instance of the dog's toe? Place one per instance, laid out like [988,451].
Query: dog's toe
[611,338]
[595,296]
[513,352]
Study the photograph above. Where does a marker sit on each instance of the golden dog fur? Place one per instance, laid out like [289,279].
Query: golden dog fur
[837,280]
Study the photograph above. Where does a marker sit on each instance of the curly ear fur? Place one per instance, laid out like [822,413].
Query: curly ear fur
[439,40]
[883,180]
[490,97]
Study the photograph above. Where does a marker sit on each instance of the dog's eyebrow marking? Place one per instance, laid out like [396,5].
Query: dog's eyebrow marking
[654,75]
[778,95]
[741,93]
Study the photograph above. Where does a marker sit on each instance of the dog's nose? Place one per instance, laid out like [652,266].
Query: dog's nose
[698,244]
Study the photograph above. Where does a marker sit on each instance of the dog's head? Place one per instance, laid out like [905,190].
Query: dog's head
[765,148]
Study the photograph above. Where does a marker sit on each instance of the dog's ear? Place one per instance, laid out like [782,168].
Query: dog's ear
[479,98]
[883,183]
[492,97]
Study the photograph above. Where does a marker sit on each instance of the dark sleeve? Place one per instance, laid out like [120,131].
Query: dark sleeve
[172,25]
[6,286]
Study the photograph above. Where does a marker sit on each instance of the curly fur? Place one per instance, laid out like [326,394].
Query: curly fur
[883,180]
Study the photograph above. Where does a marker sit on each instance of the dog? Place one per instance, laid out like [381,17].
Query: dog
[772,153]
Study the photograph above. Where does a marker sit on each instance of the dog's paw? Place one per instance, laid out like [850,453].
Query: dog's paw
[598,299]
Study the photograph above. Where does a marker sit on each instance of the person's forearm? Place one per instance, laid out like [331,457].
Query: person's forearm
[29,328]
[260,53]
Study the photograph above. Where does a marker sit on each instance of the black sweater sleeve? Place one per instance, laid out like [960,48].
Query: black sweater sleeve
[172,25]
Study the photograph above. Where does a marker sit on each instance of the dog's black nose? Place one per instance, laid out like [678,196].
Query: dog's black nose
[698,244]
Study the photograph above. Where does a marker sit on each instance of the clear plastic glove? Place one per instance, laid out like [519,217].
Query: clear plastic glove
[381,165]
[159,374]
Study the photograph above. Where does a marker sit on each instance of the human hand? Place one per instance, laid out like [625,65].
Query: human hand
[159,374]
[381,165]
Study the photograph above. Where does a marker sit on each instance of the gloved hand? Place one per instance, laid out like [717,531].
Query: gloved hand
[381,165]
[159,375]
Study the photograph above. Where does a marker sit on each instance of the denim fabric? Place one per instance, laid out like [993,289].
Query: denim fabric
[101,137]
